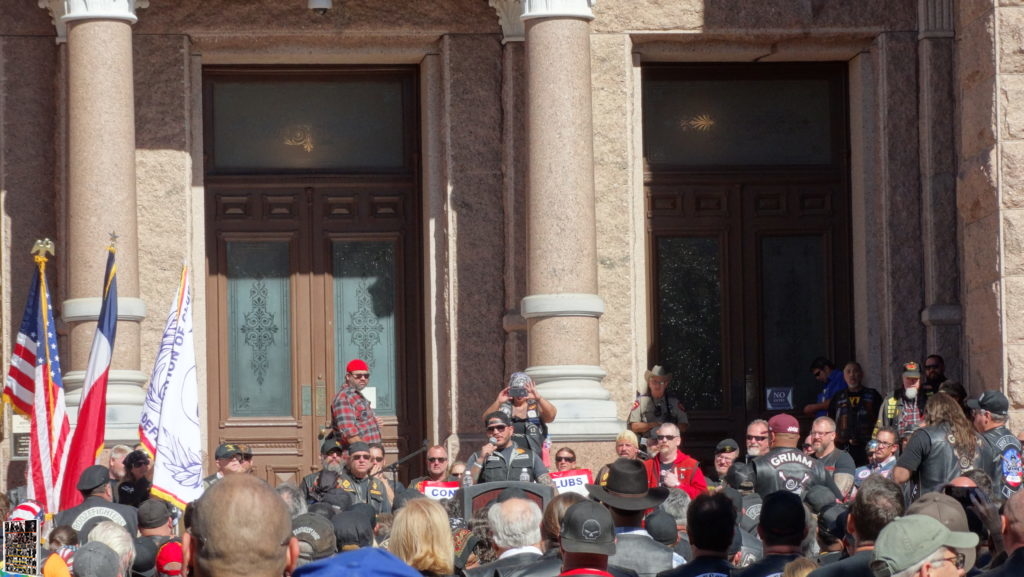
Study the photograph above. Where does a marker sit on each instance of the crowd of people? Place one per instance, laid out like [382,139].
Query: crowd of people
[922,482]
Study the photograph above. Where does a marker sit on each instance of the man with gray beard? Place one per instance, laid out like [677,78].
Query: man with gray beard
[758,439]
[332,459]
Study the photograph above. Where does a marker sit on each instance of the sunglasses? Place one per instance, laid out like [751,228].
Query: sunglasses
[142,464]
[378,459]
[437,459]
[360,457]
[496,428]
[666,437]
[565,459]
[757,437]
[929,367]
[241,458]
[360,375]
[957,560]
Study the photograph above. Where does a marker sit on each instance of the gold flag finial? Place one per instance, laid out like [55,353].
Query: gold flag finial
[41,247]
[113,238]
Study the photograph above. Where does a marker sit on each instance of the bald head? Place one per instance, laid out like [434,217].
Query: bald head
[1013,522]
[241,528]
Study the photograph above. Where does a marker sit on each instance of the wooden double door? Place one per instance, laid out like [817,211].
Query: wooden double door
[748,213]
[313,254]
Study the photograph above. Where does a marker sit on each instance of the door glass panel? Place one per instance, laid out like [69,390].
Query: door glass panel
[690,318]
[259,331]
[690,123]
[353,125]
[793,312]
[364,315]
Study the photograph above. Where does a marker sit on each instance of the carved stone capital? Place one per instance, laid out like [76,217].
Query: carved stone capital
[64,11]
[935,18]
[510,16]
[558,9]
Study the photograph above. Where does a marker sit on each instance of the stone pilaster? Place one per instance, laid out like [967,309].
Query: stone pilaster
[101,198]
[942,315]
[563,307]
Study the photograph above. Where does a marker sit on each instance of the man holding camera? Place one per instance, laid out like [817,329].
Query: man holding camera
[528,412]
[654,408]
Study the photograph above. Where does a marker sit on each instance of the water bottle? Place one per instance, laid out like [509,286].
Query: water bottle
[524,475]
[467,479]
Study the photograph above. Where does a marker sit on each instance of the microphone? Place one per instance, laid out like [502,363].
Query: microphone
[492,441]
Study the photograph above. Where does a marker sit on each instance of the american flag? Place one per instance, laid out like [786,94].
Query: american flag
[35,387]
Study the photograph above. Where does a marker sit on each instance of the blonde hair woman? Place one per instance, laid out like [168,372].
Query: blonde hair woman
[422,537]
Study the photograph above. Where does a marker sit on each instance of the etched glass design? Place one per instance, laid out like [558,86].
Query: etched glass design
[259,329]
[355,125]
[733,123]
[690,319]
[793,309]
[364,315]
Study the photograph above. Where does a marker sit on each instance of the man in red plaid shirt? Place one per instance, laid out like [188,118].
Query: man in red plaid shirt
[351,413]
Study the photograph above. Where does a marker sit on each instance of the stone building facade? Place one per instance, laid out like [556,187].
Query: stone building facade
[530,224]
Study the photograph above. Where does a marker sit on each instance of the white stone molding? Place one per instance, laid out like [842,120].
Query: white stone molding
[935,315]
[88,309]
[510,16]
[559,9]
[585,409]
[935,19]
[562,305]
[64,11]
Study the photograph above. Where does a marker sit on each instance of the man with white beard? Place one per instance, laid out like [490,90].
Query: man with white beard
[758,439]
[332,458]
[904,409]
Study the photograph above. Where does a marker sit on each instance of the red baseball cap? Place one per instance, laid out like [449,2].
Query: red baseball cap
[784,424]
[357,365]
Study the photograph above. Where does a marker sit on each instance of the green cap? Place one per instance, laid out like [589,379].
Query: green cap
[909,540]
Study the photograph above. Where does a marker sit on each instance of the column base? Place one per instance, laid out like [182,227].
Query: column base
[585,409]
[126,396]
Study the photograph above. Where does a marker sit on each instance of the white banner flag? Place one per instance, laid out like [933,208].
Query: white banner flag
[169,427]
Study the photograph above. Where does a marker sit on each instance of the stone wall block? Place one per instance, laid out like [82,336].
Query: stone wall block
[1014,309]
[1011,96]
[682,15]
[28,163]
[1011,44]
[347,19]
[981,252]
[986,371]
[976,50]
[1012,171]
[982,314]
[617,201]
[970,10]
[1013,242]
[1015,375]
[26,19]
[976,193]
[977,109]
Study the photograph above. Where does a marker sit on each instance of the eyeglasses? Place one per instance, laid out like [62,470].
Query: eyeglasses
[666,437]
[378,459]
[758,438]
[241,458]
[929,367]
[437,459]
[360,375]
[496,428]
[957,560]
[881,444]
[565,459]
[360,457]
[822,433]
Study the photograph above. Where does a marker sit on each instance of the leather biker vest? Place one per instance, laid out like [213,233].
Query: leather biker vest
[787,468]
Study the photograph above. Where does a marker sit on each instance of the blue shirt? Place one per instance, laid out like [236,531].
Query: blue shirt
[835,383]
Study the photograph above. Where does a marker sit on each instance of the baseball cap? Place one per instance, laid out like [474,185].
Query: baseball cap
[947,511]
[92,477]
[994,402]
[588,528]
[912,370]
[497,416]
[94,559]
[782,514]
[662,527]
[727,446]
[228,450]
[358,447]
[170,559]
[153,513]
[784,424]
[317,532]
[331,443]
[908,540]
[356,365]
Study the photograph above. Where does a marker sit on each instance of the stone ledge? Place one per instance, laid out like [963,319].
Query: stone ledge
[562,305]
[88,309]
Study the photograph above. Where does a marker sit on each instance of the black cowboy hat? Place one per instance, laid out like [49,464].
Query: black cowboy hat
[627,488]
